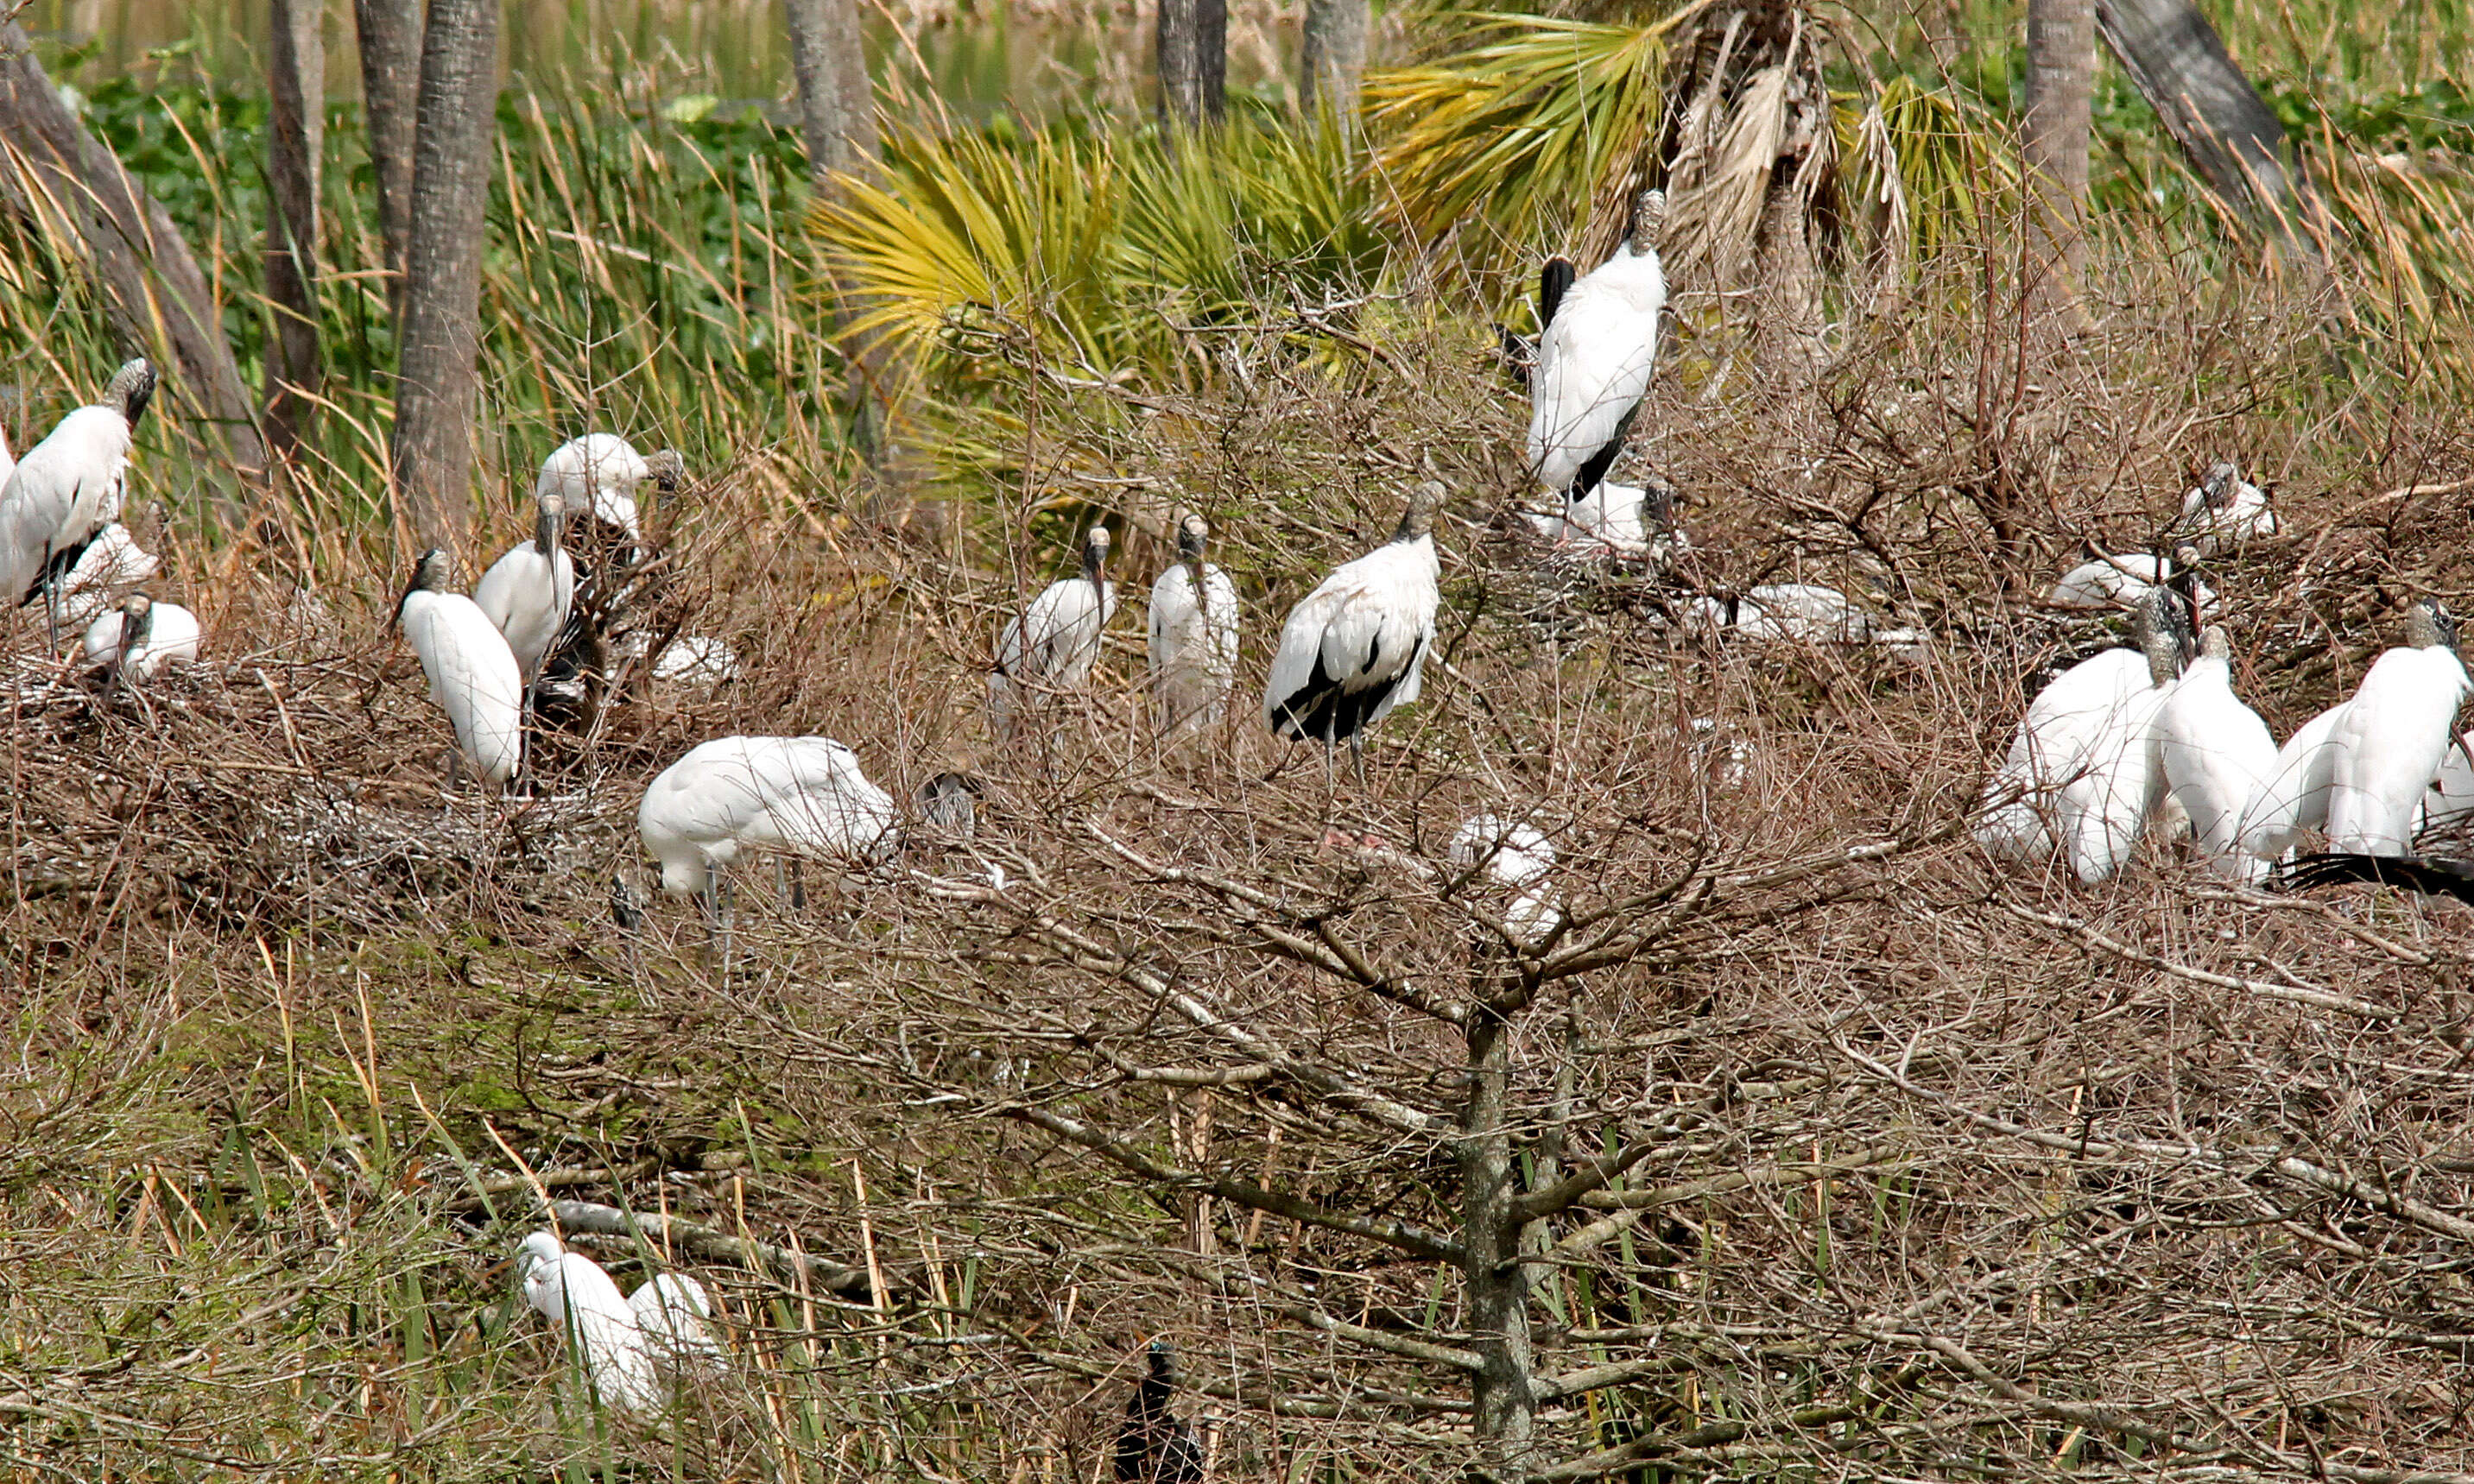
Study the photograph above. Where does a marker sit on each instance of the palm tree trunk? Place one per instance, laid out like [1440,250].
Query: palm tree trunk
[1192,59]
[153,291]
[2061,90]
[2230,134]
[1335,54]
[837,123]
[296,65]
[390,45]
[438,366]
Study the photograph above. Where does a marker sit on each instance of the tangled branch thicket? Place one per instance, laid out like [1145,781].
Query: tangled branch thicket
[1808,1141]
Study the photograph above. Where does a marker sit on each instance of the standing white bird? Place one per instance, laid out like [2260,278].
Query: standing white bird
[527,592]
[2393,734]
[2217,756]
[473,677]
[1351,650]
[2226,509]
[1596,350]
[68,487]
[1051,644]
[142,637]
[2295,797]
[1193,636]
[596,477]
[581,1301]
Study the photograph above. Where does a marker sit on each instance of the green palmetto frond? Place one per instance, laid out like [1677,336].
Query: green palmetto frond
[1922,169]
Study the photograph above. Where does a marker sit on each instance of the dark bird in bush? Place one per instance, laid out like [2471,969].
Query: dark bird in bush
[1351,650]
[68,488]
[1152,1447]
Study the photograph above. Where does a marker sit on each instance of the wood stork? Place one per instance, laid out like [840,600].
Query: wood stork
[2226,509]
[473,677]
[794,795]
[68,487]
[142,637]
[527,592]
[2393,734]
[1516,857]
[1596,348]
[2120,582]
[2217,756]
[1193,636]
[1153,1446]
[596,477]
[1616,522]
[112,560]
[2295,795]
[1352,648]
[635,1351]
[1051,645]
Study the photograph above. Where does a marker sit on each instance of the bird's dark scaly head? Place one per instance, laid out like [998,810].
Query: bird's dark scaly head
[2218,488]
[2162,633]
[1095,552]
[2429,623]
[667,471]
[1418,521]
[428,575]
[1657,502]
[1192,533]
[1161,1358]
[1648,214]
[136,622]
[549,516]
[132,388]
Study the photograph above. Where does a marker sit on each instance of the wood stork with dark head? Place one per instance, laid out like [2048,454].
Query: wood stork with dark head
[527,592]
[1193,635]
[1597,348]
[2217,756]
[1352,648]
[1051,645]
[68,487]
[142,637]
[472,674]
[2393,735]
[2224,510]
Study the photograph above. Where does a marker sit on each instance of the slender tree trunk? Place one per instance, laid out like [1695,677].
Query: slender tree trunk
[390,43]
[437,379]
[1335,54]
[157,298]
[2061,90]
[1193,60]
[296,142]
[2231,135]
[837,123]
[1505,1391]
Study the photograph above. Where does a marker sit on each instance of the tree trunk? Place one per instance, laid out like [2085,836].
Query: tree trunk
[296,65]
[154,293]
[837,101]
[440,333]
[2061,90]
[1335,54]
[1504,1391]
[390,42]
[2231,135]
[1193,60]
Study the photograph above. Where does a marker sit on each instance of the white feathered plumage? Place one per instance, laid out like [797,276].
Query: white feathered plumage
[1351,650]
[1595,353]
[142,637]
[2295,797]
[2393,735]
[527,592]
[1193,635]
[801,796]
[2224,510]
[472,674]
[2120,582]
[1053,644]
[596,476]
[68,487]
[2217,756]
[112,560]
[637,1352]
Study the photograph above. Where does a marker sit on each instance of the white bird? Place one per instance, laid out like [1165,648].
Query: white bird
[2226,509]
[2295,797]
[2393,735]
[596,477]
[1051,644]
[2121,581]
[675,1316]
[1352,648]
[142,637]
[527,592]
[68,487]
[1516,857]
[1787,610]
[581,1301]
[1596,346]
[697,660]
[2452,792]
[2217,756]
[794,796]
[1193,635]
[1616,521]
[473,677]
[114,559]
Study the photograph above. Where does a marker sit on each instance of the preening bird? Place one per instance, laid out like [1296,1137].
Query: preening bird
[1051,644]
[114,559]
[1153,1447]
[527,592]
[68,487]
[636,1352]
[1351,650]
[1596,348]
[2217,756]
[1516,857]
[2393,735]
[2226,509]
[2120,582]
[473,677]
[142,637]
[596,478]
[1193,635]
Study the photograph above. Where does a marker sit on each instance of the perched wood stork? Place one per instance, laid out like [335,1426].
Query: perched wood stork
[635,1351]
[1053,644]
[1351,650]
[596,478]
[473,677]
[1193,636]
[68,487]
[2226,509]
[1616,522]
[733,796]
[1516,857]
[1596,348]
[527,592]
[2393,734]
[142,637]
[112,560]
[2120,582]
[2217,756]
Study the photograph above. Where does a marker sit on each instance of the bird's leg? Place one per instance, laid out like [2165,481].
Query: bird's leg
[452,766]
[728,893]
[52,610]
[1357,757]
